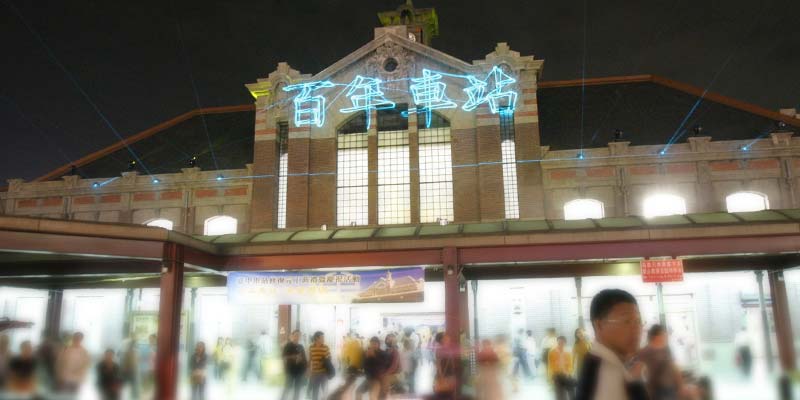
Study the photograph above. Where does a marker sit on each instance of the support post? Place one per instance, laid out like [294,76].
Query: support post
[191,335]
[126,323]
[783,323]
[579,295]
[169,322]
[452,297]
[662,314]
[762,304]
[476,333]
[284,323]
[55,299]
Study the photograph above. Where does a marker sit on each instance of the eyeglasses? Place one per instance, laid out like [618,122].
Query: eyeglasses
[627,322]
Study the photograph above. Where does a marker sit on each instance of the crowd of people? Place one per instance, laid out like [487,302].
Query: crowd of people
[61,366]
[612,366]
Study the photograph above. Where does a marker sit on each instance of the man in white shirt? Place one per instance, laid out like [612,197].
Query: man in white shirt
[610,371]
[72,365]
[530,348]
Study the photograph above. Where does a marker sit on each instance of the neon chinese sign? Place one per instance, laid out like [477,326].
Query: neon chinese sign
[427,92]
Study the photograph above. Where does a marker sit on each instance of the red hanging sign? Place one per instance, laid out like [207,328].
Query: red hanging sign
[662,271]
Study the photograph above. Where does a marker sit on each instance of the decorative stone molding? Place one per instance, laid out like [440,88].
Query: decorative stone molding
[71,181]
[781,139]
[129,178]
[378,64]
[15,185]
[618,148]
[699,144]
[503,54]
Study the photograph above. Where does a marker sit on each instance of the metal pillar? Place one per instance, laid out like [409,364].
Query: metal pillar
[52,327]
[476,334]
[662,314]
[169,322]
[452,309]
[579,294]
[783,323]
[126,323]
[765,321]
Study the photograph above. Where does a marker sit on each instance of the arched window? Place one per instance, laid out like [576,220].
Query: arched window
[746,201]
[394,178]
[583,209]
[352,172]
[509,156]
[161,223]
[220,225]
[435,169]
[659,205]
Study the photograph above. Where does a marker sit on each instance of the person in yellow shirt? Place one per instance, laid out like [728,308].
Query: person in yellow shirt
[580,349]
[353,354]
[559,369]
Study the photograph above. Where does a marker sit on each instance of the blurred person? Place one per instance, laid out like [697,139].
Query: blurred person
[487,384]
[531,349]
[319,356]
[580,349]
[521,357]
[109,378]
[130,368]
[391,377]
[664,380]
[266,348]
[197,370]
[352,354]
[374,369]
[549,341]
[5,358]
[744,353]
[559,369]
[72,365]
[252,360]
[147,366]
[22,371]
[505,358]
[609,371]
[295,365]
[47,355]
[445,383]
[408,364]
[416,346]
[218,358]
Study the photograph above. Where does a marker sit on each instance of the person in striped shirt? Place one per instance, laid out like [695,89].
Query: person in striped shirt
[318,352]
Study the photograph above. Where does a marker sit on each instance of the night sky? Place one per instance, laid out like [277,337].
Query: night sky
[135,59]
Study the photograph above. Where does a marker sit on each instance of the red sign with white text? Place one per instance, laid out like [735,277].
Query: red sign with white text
[662,271]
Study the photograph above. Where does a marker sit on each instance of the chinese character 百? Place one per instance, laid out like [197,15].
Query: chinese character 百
[308,109]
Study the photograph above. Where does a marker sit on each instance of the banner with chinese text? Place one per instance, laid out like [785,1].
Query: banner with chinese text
[654,271]
[401,285]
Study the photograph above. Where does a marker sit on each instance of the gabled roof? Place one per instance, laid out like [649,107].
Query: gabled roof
[414,47]
[649,109]
[168,146]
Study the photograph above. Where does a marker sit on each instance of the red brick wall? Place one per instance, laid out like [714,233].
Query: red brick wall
[466,204]
[263,201]
[297,187]
[529,174]
[322,184]
[490,176]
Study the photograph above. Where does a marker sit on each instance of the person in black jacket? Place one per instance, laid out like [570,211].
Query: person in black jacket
[295,364]
[609,370]
[375,362]
[109,377]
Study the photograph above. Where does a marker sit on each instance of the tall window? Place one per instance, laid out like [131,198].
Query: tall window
[282,149]
[659,205]
[509,154]
[583,209]
[435,170]
[352,177]
[394,180]
[746,202]
[220,225]
[161,223]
